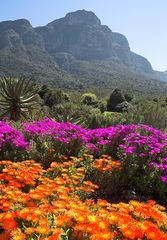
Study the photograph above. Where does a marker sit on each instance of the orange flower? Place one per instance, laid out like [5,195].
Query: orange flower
[9,224]
[19,236]
[80,219]
[43,222]
[103,236]
[63,220]
[113,218]
[102,203]
[103,225]
[42,230]
[36,196]
[9,215]
[128,233]
[92,218]
[4,236]
[29,230]
[37,212]
[56,234]
[31,204]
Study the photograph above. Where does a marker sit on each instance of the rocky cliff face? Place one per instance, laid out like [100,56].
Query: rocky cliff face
[82,35]
[19,32]
[59,49]
[22,51]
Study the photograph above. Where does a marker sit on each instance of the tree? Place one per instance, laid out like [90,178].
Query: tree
[18,97]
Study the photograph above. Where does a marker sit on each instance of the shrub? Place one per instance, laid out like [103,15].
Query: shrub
[89,99]
[102,120]
[12,143]
[102,105]
[53,96]
[152,114]
[128,96]
[64,138]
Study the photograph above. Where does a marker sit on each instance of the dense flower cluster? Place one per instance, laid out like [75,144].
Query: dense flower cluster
[64,132]
[141,141]
[9,135]
[105,163]
[45,205]
[66,138]
[131,135]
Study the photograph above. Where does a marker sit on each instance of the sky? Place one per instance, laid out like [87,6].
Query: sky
[143,22]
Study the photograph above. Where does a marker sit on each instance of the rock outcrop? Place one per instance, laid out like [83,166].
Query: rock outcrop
[82,35]
[117,102]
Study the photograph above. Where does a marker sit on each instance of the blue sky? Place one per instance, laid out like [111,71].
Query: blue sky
[143,22]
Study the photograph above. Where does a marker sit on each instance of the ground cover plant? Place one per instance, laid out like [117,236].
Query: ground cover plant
[76,185]
[47,204]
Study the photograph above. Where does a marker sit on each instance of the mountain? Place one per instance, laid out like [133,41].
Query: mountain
[76,52]
[161,75]
[82,35]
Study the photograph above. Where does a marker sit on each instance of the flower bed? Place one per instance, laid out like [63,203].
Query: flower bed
[140,150]
[46,204]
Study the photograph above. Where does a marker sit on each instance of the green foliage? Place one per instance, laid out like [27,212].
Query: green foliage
[108,182]
[89,99]
[138,177]
[148,112]
[18,97]
[47,151]
[128,96]
[39,114]
[85,115]
[74,111]
[101,120]
[102,105]
[68,118]
[53,96]
[13,153]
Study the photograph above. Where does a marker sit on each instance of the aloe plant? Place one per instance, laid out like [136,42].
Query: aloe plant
[18,97]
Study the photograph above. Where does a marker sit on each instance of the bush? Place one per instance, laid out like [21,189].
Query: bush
[150,113]
[89,99]
[53,96]
[72,112]
[102,105]
[102,120]
[12,143]
[128,96]
[63,138]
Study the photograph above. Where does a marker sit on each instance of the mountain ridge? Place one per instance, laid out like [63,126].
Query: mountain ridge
[93,41]
[63,50]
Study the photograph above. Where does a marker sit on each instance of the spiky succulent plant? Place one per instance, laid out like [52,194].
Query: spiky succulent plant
[18,97]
